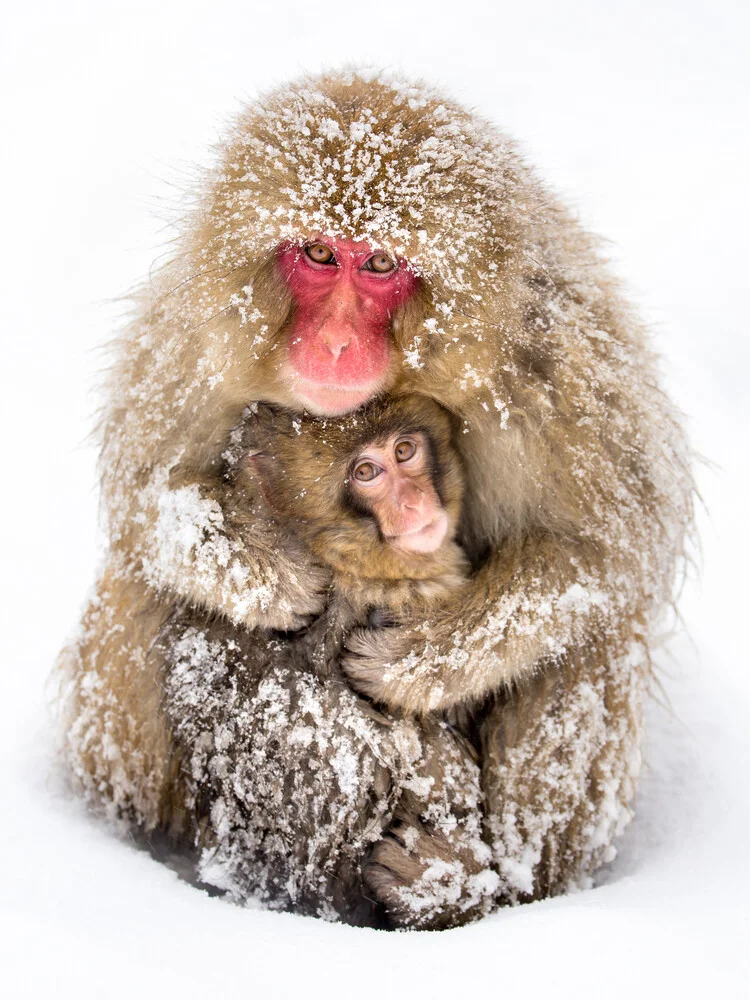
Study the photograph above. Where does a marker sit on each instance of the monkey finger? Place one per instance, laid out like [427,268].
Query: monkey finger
[376,663]
[311,594]
[363,678]
[381,647]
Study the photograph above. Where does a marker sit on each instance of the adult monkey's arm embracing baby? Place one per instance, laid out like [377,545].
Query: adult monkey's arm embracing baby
[362,235]
[298,791]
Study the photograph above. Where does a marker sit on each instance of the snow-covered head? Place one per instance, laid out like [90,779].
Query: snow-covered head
[361,235]
[372,159]
[360,167]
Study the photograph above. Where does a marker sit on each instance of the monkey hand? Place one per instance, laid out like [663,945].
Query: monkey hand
[271,582]
[296,592]
[429,880]
[398,666]
[219,552]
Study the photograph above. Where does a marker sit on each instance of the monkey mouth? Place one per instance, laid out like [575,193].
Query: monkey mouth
[425,539]
[327,400]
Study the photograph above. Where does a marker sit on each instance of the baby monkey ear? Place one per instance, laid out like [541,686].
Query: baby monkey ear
[251,436]
[261,424]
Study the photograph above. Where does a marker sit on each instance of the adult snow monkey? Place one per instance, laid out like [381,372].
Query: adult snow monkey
[362,235]
[297,794]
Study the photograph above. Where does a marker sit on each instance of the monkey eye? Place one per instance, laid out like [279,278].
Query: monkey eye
[320,253]
[365,472]
[404,450]
[381,263]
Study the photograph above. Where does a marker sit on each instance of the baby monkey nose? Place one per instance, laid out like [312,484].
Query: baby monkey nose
[411,497]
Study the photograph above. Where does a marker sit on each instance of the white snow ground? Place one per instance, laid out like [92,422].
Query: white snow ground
[638,113]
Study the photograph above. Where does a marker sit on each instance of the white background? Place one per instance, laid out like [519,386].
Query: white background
[637,113]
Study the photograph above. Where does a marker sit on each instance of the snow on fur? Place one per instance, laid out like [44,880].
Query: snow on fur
[422,179]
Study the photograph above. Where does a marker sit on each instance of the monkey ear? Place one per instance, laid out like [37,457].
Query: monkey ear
[260,422]
[272,420]
[252,458]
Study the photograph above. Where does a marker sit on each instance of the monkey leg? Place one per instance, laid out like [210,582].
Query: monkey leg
[432,869]
[292,777]
[560,760]
[117,742]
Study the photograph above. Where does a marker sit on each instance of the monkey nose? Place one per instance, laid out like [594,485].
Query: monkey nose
[411,498]
[336,341]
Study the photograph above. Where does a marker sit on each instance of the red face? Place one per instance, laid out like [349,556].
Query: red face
[339,349]
[393,480]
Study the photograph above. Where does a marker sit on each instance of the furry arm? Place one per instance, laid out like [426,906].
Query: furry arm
[530,601]
[220,549]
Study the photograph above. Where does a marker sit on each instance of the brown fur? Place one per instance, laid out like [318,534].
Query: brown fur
[405,785]
[302,464]
[578,493]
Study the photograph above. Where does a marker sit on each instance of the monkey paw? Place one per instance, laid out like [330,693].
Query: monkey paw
[370,662]
[300,598]
[394,667]
[423,881]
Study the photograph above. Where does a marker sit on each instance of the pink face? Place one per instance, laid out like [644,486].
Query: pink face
[339,352]
[394,482]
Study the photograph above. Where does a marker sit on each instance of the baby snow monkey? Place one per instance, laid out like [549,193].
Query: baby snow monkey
[376,496]
[304,796]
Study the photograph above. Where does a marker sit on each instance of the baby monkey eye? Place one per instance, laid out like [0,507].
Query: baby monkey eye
[320,253]
[379,262]
[365,472]
[405,450]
